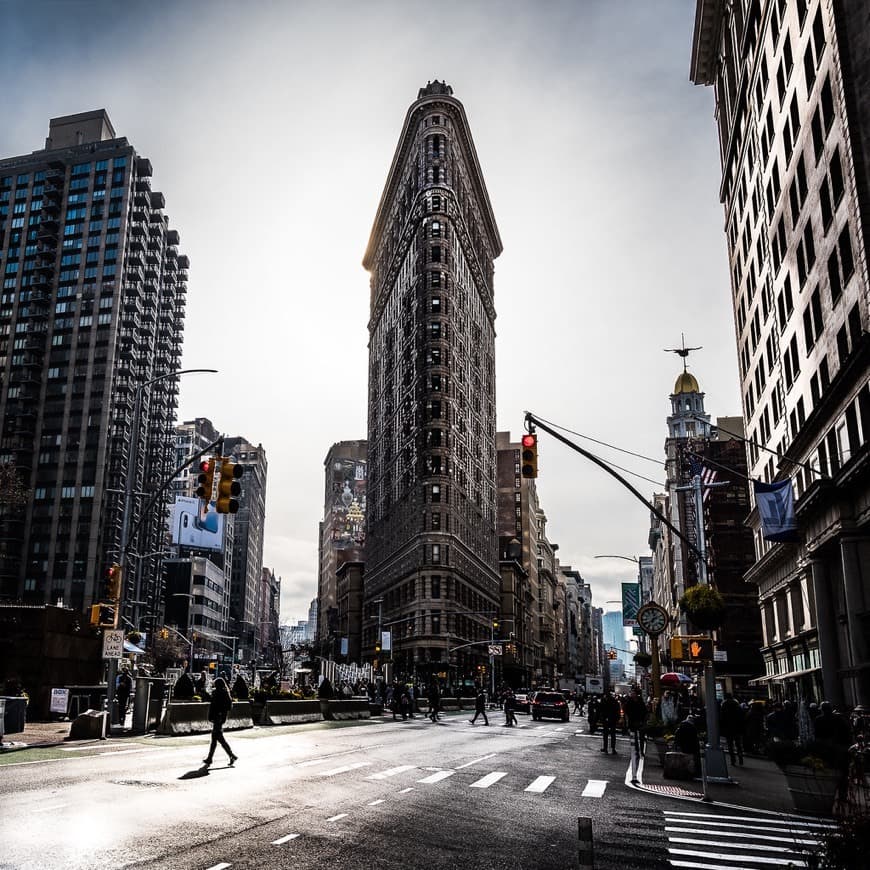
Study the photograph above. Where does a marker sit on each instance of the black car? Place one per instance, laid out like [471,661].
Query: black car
[521,700]
[551,704]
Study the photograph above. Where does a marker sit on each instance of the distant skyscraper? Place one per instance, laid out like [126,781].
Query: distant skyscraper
[431,542]
[790,84]
[91,319]
[614,635]
[248,526]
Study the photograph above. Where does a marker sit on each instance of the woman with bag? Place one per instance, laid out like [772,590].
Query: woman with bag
[220,705]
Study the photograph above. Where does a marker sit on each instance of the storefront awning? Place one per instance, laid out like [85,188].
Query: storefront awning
[781,678]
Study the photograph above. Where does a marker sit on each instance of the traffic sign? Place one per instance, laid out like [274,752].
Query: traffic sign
[113,644]
[494,649]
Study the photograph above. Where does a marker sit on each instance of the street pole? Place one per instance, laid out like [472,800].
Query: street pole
[127,515]
[491,659]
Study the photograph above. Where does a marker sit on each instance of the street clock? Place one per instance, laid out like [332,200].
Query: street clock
[652,618]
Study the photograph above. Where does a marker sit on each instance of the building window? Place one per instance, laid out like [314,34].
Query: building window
[436,586]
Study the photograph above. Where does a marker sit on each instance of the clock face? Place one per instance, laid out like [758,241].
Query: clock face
[652,619]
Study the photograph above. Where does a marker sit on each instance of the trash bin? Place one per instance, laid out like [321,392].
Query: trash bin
[15,714]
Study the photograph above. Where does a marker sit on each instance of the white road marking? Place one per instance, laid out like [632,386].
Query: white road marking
[48,808]
[717,856]
[393,771]
[220,866]
[437,777]
[336,818]
[689,841]
[345,768]
[578,733]
[406,790]
[745,835]
[774,819]
[482,758]
[594,788]
[489,779]
[541,784]
[694,865]
[283,840]
[559,729]
[375,803]
[539,727]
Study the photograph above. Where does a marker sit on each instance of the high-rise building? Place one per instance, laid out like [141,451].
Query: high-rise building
[91,323]
[247,558]
[342,540]
[431,542]
[793,114]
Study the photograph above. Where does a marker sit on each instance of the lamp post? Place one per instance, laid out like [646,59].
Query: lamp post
[127,515]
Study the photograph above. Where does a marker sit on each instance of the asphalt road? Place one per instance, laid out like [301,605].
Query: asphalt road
[371,794]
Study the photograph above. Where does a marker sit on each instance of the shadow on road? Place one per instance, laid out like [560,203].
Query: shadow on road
[196,774]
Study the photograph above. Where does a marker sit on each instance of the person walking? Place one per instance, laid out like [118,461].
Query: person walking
[434,696]
[732,723]
[510,716]
[635,713]
[220,705]
[123,688]
[608,714]
[578,703]
[480,707]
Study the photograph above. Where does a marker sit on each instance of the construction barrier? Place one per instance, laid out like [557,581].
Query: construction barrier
[191,717]
[345,709]
[281,711]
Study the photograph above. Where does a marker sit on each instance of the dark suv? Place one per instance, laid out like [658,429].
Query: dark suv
[549,704]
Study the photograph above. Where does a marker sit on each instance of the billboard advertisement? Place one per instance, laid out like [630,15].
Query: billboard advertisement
[192,528]
[348,503]
[630,603]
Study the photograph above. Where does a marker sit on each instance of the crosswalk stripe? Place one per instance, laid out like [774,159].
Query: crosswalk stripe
[713,827]
[345,768]
[393,771]
[594,788]
[336,818]
[281,840]
[718,833]
[756,847]
[375,803]
[488,780]
[694,865]
[541,784]
[437,777]
[717,856]
[778,819]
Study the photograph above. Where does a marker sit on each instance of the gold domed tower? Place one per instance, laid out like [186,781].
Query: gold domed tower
[687,419]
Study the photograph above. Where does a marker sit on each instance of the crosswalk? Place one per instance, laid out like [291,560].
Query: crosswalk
[706,841]
[402,773]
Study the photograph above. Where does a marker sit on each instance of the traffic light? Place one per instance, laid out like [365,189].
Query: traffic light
[205,479]
[529,455]
[677,648]
[164,633]
[611,654]
[495,626]
[377,648]
[113,582]
[103,616]
[212,666]
[229,487]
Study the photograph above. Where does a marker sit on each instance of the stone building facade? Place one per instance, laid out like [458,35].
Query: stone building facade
[431,543]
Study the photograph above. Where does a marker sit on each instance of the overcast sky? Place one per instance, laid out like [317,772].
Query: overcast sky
[271,127]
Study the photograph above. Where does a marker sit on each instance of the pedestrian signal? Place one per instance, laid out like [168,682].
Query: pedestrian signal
[529,455]
[212,666]
[229,487]
[113,582]
[103,616]
[700,649]
[205,480]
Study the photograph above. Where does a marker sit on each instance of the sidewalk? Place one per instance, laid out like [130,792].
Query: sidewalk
[37,734]
[758,784]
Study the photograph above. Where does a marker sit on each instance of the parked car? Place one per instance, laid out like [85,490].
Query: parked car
[552,704]
[521,700]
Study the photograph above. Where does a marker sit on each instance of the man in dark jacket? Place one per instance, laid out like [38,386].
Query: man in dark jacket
[635,713]
[732,724]
[434,696]
[608,715]
[480,707]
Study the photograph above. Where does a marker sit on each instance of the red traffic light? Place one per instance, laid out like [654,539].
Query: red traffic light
[529,453]
[205,465]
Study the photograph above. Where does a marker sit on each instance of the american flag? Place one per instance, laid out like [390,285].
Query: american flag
[707,474]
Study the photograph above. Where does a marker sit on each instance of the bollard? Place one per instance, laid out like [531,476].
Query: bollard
[585,846]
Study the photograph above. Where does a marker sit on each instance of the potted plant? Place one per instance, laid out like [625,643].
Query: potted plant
[704,606]
[642,659]
[811,773]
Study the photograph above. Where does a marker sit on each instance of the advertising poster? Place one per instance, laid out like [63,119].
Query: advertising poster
[192,528]
[630,603]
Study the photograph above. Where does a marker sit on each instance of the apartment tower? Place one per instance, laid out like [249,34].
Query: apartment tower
[793,110]
[431,543]
[91,323]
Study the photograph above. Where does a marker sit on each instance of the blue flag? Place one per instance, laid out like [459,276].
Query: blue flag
[776,509]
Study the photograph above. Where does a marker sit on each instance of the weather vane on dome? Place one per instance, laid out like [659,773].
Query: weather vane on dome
[682,351]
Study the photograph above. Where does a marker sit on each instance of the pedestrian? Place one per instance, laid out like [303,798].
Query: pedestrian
[510,716]
[220,705]
[123,687]
[686,740]
[732,724]
[434,696]
[480,706]
[578,703]
[592,714]
[635,713]
[608,713]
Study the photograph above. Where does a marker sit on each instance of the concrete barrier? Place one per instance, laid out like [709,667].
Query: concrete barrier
[346,709]
[286,711]
[90,725]
[191,717]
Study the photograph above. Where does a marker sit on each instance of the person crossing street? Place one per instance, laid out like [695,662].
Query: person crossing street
[480,706]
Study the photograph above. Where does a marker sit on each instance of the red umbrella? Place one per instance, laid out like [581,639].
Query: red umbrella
[675,679]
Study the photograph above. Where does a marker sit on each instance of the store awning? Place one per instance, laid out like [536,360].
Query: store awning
[781,678]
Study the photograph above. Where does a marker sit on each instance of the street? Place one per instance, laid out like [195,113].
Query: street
[377,794]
